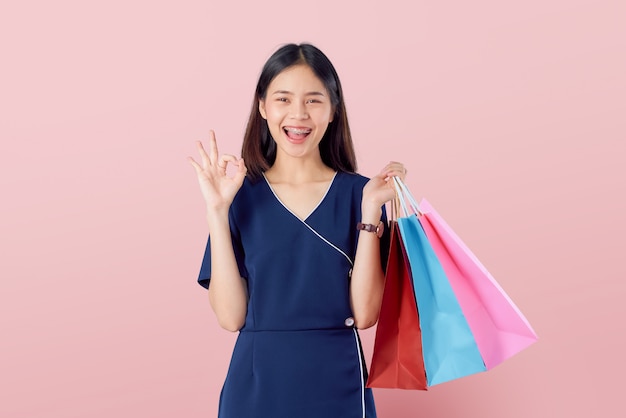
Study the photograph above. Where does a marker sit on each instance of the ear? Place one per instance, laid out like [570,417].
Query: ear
[262,109]
[332,114]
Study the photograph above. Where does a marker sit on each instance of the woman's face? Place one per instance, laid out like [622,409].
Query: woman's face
[298,110]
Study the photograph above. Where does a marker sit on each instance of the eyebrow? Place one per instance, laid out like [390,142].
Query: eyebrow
[311,93]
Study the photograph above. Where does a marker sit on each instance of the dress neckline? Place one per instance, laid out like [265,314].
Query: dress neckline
[330,186]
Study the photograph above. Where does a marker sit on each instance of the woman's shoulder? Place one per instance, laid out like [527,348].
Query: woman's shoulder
[248,196]
[355,180]
[247,191]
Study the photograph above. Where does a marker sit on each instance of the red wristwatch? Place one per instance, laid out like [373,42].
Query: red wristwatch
[377,229]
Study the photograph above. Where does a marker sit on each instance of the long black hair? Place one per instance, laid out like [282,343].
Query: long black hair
[336,148]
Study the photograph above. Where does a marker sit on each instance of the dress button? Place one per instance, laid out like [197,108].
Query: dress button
[349,322]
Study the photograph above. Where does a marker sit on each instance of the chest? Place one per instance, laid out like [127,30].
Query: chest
[306,221]
[301,199]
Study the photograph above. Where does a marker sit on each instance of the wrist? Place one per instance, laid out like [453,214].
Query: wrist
[217,216]
[371,215]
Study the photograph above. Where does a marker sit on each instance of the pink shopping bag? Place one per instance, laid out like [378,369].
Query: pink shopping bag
[499,327]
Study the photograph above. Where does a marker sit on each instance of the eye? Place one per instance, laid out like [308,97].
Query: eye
[313,101]
[281,99]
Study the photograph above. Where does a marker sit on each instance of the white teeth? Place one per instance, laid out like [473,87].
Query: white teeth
[298,131]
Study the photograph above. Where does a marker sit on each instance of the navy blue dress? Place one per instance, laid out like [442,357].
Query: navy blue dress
[298,354]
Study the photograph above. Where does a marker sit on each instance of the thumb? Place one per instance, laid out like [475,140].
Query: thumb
[241,170]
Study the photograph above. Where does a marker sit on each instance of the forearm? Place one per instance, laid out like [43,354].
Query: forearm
[366,286]
[227,292]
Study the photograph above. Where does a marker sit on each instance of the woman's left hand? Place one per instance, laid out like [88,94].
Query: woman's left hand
[380,189]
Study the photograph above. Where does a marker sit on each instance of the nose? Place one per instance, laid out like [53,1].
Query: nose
[299,111]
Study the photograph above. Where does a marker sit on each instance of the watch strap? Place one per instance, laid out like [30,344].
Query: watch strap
[376,229]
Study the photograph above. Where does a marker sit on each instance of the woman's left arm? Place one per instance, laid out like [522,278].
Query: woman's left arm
[366,286]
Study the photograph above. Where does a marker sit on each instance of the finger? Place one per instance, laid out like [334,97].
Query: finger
[390,173]
[395,169]
[391,166]
[223,161]
[399,173]
[241,170]
[395,166]
[229,158]
[203,154]
[195,165]
[242,166]
[213,153]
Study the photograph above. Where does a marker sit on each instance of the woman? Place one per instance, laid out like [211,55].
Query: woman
[294,255]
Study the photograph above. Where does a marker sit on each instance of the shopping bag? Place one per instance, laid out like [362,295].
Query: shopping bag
[498,326]
[397,360]
[449,348]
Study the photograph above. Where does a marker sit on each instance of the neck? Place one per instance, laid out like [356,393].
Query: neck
[298,170]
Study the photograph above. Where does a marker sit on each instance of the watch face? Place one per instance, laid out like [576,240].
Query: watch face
[380,229]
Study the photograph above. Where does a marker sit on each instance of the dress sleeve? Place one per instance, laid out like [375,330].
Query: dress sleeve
[204,277]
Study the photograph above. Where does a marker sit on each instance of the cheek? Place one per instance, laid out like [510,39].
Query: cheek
[273,112]
[324,116]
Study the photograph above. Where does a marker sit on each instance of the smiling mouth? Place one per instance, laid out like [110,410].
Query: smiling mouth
[297,134]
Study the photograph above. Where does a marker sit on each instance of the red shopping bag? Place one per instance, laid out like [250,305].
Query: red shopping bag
[397,360]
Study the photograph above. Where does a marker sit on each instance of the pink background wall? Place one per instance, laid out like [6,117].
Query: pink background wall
[509,115]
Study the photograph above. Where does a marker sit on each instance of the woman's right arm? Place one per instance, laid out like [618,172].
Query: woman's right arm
[227,292]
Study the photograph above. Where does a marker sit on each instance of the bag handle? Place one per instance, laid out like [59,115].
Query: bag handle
[400,196]
[394,206]
[404,195]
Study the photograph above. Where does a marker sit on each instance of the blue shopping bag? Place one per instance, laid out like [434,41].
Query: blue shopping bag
[449,347]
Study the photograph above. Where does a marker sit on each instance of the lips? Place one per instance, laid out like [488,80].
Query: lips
[296,134]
